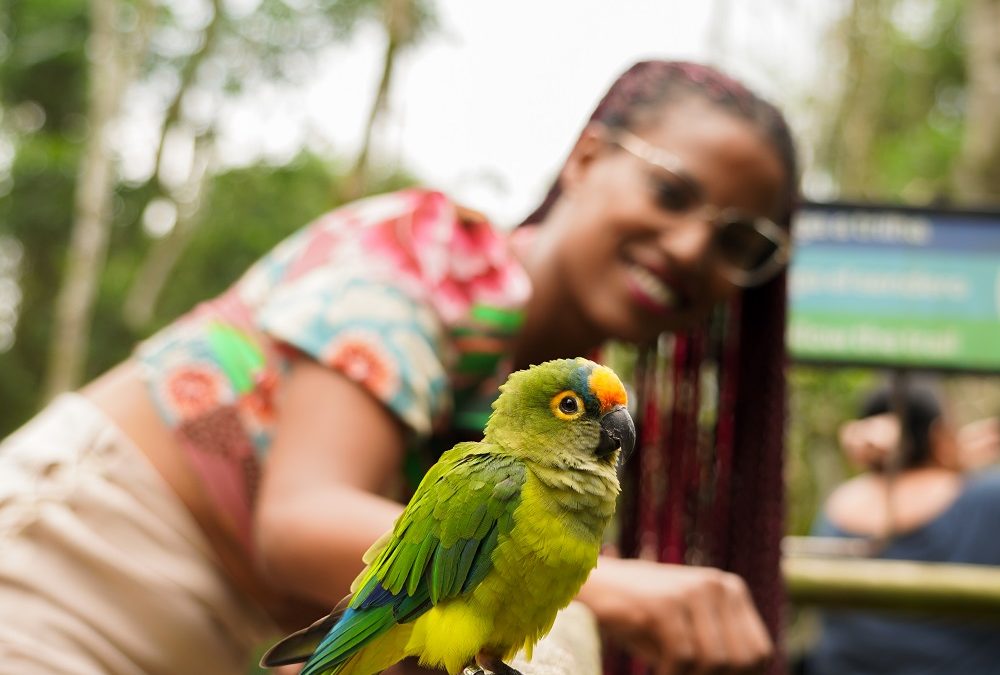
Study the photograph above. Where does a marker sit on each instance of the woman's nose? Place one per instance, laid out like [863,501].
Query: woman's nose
[689,242]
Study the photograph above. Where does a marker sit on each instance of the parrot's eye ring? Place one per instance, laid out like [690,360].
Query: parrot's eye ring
[567,405]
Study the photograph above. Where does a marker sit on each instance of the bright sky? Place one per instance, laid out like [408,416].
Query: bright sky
[487,108]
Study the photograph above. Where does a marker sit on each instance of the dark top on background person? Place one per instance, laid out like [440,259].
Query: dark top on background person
[938,515]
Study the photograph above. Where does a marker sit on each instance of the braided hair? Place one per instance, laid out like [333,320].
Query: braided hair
[708,487]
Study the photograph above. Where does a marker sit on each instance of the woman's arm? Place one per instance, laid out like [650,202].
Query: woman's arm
[335,449]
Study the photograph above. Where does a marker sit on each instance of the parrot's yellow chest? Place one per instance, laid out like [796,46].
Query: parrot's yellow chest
[540,566]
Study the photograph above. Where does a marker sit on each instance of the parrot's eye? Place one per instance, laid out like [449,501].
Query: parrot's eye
[567,405]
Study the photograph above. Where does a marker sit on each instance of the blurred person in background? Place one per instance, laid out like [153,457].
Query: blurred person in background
[227,478]
[913,501]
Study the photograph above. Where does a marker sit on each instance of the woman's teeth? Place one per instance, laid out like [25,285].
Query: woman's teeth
[652,286]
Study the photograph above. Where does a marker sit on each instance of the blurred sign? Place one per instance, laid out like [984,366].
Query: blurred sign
[896,287]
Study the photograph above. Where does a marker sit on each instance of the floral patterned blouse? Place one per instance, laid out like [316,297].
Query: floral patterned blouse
[407,294]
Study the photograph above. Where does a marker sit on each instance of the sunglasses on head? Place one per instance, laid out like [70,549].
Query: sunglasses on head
[750,249]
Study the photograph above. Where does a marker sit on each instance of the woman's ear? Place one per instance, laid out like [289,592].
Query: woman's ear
[591,144]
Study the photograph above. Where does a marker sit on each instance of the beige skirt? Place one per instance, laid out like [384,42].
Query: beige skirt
[102,569]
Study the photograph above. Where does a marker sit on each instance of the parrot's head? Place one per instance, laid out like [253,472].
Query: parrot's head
[568,413]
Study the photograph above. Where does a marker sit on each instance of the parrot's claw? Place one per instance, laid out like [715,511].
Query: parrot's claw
[473,670]
[492,665]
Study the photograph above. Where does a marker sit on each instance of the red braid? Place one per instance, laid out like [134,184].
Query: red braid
[756,513]
[709,490]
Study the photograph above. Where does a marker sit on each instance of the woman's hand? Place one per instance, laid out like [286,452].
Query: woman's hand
[680,619]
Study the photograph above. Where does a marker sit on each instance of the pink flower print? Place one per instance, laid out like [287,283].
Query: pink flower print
[193,391]
[475,250]
[416,242]
[484,267]
[454,258]
[384,243]
[361,357]
[432,230]
[451,300]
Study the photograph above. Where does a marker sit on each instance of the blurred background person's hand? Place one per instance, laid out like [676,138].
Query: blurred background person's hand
[870,442]
[979,444]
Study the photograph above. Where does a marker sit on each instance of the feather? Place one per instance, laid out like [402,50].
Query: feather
[298,646]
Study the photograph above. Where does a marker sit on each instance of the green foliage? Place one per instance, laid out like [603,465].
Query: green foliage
[45,62]
[919,129]
[42,93]
[896,130]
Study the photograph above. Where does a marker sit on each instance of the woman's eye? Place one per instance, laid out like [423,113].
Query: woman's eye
[672,195]
[568,405]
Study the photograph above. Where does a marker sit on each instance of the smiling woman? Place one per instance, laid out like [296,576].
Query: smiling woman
[273,426]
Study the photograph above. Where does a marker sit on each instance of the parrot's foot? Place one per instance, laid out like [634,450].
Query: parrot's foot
[493,664]
[473,670]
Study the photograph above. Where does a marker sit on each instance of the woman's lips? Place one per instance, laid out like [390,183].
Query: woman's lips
[650,290]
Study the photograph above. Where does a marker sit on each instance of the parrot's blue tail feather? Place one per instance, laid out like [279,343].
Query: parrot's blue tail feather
[355,629]
[299,646]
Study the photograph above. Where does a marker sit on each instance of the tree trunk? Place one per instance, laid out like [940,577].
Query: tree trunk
[110,70]
[163,255]
[977,175]
[398,20]
[856,126]
[144,293]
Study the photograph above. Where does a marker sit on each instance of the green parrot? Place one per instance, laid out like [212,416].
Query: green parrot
[498,537]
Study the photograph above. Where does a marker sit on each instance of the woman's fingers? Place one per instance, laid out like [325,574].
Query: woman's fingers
[677,650]
[747,641]
[707,608]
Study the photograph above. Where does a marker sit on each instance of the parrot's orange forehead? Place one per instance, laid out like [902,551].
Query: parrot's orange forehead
[608,389]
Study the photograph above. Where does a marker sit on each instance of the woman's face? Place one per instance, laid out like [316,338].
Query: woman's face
[637,255]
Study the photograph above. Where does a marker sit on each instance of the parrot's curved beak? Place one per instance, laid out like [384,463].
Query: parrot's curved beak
[617,431]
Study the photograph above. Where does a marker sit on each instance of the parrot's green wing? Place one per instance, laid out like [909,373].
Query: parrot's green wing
[440,548]
[443,543]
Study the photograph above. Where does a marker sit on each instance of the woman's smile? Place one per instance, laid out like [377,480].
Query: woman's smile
[650,290]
